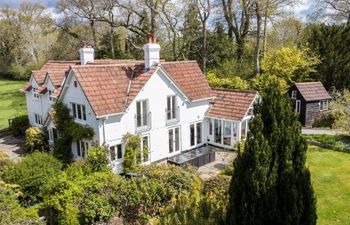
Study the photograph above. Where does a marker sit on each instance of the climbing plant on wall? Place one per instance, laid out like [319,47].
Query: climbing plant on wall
[68,132]
[132,156]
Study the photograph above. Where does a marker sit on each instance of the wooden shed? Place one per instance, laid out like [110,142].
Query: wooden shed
[310,99]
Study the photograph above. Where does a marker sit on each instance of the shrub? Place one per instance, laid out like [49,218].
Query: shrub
[4,160]
[97,159]
[79,196]
[132,150]
[19,125]
[36,139]
[31,173]
[143,198]
[11,212]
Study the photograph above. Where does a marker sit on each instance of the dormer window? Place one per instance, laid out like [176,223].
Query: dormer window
[294,94]
[50,96]
[35,94]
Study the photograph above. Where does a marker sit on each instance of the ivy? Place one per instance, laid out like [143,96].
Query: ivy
[132,156]
[68,132]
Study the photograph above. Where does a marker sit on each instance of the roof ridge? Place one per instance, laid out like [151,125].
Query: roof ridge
[183,61]
[308,82]
[105,65]
[233,90]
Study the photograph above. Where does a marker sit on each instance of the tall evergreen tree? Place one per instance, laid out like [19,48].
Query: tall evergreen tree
[282,192]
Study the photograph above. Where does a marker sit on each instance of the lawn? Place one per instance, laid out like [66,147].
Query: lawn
[330,171]
[12,101]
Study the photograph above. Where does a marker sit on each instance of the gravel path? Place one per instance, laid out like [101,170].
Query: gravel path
[12,146]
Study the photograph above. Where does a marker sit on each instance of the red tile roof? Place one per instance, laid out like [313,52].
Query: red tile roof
[27,87]
[231,104]
[312,91]
[106,86]
[42,89]
[189,77]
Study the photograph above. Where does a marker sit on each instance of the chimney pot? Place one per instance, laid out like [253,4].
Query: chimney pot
[151,50]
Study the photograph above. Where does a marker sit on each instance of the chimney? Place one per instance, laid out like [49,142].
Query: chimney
[151,50]
[86,54]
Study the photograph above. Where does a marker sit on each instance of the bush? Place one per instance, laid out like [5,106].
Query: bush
[325,120]
[207,208]
[19,125]
[31,173]
[79,196]
[36,139]
[4,161]
[97,159]
[11,212]
[143,198]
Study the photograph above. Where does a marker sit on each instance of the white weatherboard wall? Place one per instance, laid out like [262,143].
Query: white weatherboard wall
[156,91]
[76,95]
[34,105]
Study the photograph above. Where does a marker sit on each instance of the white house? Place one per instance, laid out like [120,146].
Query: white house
[169,104]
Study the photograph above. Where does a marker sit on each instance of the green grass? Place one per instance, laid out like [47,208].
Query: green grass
[330,173]
[12,101]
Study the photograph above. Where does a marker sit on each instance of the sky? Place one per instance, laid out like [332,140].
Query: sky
[302,10]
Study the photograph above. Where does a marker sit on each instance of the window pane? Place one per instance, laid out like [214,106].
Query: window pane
[144,111]
[243,129]
[217,131]
[177,139]
[84,112]
[192,135]
[210,127]
[173,107]
[234,129]
[79,111]
[119,152]
[138,114]
[227,132]
[78,148]
[74,110]
[199,133]
[168,107]
[112,153]
[171,139]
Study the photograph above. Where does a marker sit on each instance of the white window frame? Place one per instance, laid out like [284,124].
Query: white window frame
[196,142]
[142,114]
[294,94]
[38,119]
[172,111]
[75,111]
[117,155]
[297,106]
[83,147]
[323,105]
[51,99]
[142,146]
[35,94]
[172,142]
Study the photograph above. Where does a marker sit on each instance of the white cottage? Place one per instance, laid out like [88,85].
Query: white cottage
[169,104]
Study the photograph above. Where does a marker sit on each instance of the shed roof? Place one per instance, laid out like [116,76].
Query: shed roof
[312,91]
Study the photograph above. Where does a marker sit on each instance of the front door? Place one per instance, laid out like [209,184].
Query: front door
[174,139]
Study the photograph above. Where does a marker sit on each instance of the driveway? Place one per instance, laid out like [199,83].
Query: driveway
[222,160]
[12,146]
[322,131]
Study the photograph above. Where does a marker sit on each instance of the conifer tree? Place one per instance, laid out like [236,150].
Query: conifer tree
[271,184]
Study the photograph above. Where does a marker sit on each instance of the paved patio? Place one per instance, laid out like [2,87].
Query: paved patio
[12,146]
[223,159]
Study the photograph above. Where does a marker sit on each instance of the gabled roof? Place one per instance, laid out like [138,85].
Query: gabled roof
[107,86]
[231,104]
[27,87]
[55,69]
[189,77]
[312,91]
